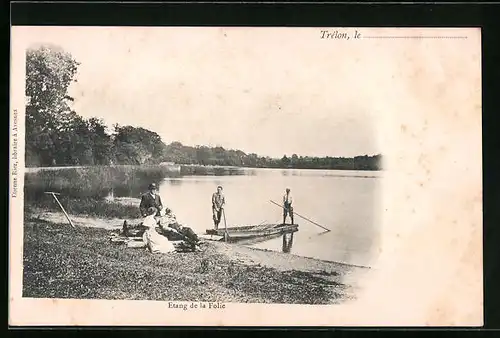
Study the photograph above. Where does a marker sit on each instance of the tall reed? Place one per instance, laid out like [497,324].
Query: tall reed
[83,190]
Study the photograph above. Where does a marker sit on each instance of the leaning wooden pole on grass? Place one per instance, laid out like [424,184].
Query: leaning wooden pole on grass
[60,205]
[307,219]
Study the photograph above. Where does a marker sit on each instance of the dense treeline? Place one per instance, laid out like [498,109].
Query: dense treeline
[57,136]
[178,153]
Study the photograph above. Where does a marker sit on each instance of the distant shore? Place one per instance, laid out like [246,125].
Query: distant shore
[84,264]
[175,167]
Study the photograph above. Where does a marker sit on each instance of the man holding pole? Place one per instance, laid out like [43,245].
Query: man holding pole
[218,201]
[287,205]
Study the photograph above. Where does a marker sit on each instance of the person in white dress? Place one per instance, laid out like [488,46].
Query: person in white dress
[155,242]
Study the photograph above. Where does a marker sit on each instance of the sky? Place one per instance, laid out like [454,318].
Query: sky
[271,91]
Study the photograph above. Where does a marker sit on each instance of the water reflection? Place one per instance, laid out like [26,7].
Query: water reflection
[250,172]
[287,242]
[211,170]
[175,182]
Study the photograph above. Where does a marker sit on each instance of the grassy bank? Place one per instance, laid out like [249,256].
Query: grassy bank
[62,262]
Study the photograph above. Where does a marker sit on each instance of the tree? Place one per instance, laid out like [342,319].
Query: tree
[252,160]
[203,155]
[74,143]
[137,145]
[49,72]
[285,161]
[102,143]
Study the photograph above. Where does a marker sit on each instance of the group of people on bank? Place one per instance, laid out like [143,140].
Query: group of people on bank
[151,207]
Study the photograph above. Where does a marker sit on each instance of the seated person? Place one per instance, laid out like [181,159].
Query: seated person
[186,231]
[155,242]
[175,231]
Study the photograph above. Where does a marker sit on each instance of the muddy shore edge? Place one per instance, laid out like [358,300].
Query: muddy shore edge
[62,262]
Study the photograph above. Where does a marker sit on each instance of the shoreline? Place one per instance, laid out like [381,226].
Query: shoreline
[175,167]
[242,266]
[117,223]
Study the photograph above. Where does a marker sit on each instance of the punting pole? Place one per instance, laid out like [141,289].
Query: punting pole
[226,235]
[60,205]
[307,219]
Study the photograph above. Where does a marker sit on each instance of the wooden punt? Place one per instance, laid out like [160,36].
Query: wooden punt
[253,231]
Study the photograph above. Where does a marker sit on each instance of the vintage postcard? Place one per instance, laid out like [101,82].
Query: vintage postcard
[230,176]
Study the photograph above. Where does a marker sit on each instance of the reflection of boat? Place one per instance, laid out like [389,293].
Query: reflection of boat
[257,240]
[253,231]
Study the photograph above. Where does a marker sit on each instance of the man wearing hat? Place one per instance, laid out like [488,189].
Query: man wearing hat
[151,199]
[218,202]
[287,205]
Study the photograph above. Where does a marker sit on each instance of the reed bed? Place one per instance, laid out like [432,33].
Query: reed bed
[84,190]
[95,181]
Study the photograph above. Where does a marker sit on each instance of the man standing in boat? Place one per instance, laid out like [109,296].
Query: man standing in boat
[287,205]
[151,199]
[218,202]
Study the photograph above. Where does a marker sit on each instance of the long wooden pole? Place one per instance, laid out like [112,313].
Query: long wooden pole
[307,219]
[60,205]
[226,235]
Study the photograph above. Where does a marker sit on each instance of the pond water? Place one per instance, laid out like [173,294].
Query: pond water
[346,202]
